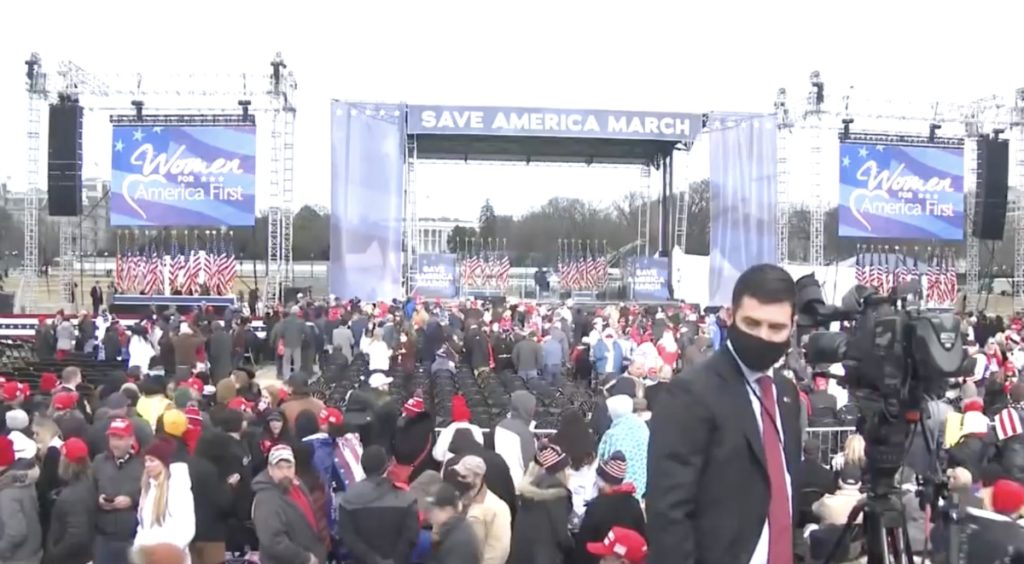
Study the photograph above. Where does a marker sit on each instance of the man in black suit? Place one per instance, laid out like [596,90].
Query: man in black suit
[96,293]
[725,441]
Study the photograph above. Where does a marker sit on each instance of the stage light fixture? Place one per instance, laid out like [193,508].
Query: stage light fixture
[996,132]
[32,65]
[244,104]
[847,122]
[817,95]
[932,129]
[138,105]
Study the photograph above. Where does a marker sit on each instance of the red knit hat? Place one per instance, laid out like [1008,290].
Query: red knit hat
[413,407]
[460,411]
[1007,497]
[75,450]
[6,452]
[65,401]
[162,449]
[12,390]
[330,416]
[195,384]
[48,382]
[973,404]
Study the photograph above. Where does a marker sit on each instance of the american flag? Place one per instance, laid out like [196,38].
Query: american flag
[936,281]
[861,271]
[229,271]
[206,263]
[223,264]
[471,268]
[571,278]
[602,273]
[138,271]
[119,272]
[154,280]
[177,273]
[876,273]
[950,286]
[190,285]
[504,269]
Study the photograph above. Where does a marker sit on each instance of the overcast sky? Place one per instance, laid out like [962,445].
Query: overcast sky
[640,55]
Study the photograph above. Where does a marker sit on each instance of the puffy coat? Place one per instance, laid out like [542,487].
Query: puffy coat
[73,522]
[21,535]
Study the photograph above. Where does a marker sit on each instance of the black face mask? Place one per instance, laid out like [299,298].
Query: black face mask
[754,352]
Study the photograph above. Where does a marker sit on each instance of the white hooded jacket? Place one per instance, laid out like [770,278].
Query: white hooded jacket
[179,524]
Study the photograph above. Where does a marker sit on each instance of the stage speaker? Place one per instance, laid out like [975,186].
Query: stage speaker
[64,186]
[6,303]
[993,184]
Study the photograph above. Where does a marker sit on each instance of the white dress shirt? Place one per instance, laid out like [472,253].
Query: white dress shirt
[760,555]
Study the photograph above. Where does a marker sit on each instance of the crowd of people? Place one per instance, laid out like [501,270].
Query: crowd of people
[180,454]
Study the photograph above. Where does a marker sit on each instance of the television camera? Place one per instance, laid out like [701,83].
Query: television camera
[896,356]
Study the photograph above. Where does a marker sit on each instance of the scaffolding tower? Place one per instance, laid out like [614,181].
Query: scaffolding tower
[1017,197]
[817,227]
[36,88]
[411,247]
[682,199]
[643,224]
[281,196]
[970,190]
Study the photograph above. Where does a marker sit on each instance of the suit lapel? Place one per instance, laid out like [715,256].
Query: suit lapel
[788,408]
[739,402]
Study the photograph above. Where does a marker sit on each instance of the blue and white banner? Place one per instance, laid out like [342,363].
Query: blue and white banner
[437,277]
[546,122]
[183,176]
[901,191]
[367,185]
[744,197]
[649,279]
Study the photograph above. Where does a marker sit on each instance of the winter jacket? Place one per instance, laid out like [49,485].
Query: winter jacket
[630,435]
[114,480]
[455,543]
[496,478]
[614,509]
[378,521]
[607,355]
[527,356]
[96,436]
[414,439]
[513,436]
[73,522]
[285,535]
[444,438]
[21,536]
[212,498]
[541,531]
[834,509]
[329,472]
[492,524]
[179,519]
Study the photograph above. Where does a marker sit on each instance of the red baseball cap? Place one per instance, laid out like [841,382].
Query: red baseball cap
[12,390]
[195,384]
[65,401]
[240,404]
[622,542]
[48,382]
[330,416]
[121,427]
[75,450]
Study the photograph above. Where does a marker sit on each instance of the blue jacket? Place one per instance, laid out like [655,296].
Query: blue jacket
[330,473]
[552,351]
[717,333]
[602,351]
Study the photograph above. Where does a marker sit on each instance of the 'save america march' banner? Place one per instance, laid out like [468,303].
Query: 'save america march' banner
[545,122]
[183,176]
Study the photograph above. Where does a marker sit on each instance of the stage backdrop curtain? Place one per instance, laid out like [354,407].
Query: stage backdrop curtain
[367,183]
[743,198]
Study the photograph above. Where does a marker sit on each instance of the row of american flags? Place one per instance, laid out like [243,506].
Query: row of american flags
[938,274]
[486,270]
[209,270]
[583,272]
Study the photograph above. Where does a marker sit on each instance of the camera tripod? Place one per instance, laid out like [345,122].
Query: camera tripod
[886,536]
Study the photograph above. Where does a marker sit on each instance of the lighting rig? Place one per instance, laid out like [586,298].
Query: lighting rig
[784,123]
[1017,198]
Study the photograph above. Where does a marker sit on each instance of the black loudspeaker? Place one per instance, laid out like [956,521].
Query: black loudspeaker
[6,303]
[993,184]
[64,188]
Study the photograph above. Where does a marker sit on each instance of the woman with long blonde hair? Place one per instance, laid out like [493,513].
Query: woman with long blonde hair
[166,508]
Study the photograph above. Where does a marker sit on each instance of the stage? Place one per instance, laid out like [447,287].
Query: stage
[177,301]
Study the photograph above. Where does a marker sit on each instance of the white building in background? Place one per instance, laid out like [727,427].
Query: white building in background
[432,233]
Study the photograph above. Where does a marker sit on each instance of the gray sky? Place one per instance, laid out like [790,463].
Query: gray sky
[641,55]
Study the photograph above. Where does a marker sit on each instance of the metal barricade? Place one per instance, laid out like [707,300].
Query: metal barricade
[830,441]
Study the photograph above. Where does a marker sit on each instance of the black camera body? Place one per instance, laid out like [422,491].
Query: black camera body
[894,358]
